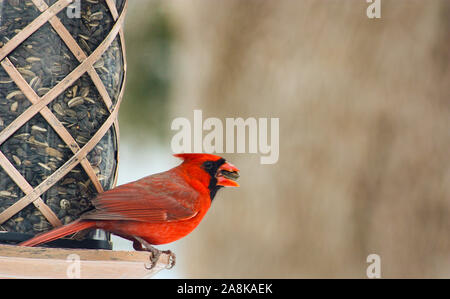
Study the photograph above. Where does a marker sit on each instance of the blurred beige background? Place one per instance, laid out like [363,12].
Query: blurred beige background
[364,113]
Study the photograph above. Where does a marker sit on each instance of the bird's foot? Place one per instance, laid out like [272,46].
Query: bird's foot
[154,257]
[172,259]
[154,253]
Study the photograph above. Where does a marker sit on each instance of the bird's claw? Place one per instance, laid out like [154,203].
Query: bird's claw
[140,244]
[172,259]
[154,257]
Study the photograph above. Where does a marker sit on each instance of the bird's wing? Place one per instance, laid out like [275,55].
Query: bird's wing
[159,198]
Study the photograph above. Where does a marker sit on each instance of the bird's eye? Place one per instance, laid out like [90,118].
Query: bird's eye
[208,165]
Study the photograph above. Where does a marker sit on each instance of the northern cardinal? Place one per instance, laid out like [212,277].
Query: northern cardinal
[157,209]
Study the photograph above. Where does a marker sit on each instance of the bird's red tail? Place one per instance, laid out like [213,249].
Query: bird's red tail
[59,232]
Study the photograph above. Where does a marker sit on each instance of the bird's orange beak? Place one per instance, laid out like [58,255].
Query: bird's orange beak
[227,174]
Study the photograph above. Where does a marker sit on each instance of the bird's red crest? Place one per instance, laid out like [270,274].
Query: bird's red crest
[196,156]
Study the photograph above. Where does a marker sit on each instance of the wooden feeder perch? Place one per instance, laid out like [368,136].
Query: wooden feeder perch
[62,79]
[39,262]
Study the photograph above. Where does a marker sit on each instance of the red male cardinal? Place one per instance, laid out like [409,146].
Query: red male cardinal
[157,209]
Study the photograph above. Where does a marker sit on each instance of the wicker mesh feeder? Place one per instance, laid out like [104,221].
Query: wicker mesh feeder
[62,78]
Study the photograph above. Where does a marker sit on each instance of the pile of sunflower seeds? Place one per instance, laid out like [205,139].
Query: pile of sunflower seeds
[36,150]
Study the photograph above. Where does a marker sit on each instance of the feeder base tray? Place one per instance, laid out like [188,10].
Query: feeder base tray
[15,238]
[40,262]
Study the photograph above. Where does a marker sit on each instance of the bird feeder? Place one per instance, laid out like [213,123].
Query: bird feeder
[61,82]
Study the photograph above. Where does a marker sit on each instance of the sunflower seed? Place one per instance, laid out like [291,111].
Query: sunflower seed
[75,102]
[37,128]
